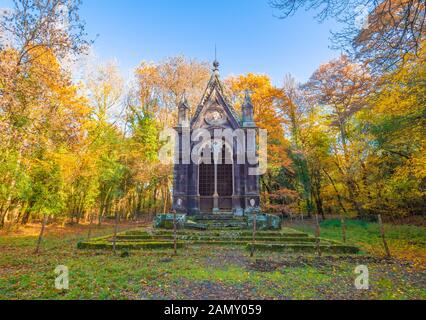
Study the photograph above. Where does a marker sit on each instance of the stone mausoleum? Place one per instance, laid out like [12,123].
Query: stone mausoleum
[214,187]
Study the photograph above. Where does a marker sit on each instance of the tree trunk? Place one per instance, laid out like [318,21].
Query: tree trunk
[103,206]
[165,195]
[2,219]
[350,184]
[139,204]
[89,234]
[26,216]
[339,199]
[101,209]
[382,232]
[21,213]
[254,234]
[309,205]
[40,237]
[320,208]
[318,202]
[317,235]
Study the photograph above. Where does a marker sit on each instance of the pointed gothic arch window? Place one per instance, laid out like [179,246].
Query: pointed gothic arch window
[224,172]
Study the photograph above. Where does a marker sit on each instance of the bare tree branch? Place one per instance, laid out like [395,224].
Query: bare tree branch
[393,30]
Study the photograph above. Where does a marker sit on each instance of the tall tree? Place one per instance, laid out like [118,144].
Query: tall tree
[162,85]
[33,35]
[295,111]
[392,135]
[48,26]
[340,87]
[382,33]
[45,114]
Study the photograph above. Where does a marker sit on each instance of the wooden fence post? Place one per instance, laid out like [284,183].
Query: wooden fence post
[317,235]
[382,232]
[343,222]
[254,233]
[115,231]
[174,233]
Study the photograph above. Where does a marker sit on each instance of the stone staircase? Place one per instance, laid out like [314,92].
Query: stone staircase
[222,229]
[286,240]
[223,220]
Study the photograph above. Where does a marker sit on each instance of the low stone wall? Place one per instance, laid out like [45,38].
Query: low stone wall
[286,240]
[206,222]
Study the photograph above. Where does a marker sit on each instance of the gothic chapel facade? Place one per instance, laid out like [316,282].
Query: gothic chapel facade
[219,186]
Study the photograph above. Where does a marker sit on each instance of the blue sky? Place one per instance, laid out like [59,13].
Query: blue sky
[248,36]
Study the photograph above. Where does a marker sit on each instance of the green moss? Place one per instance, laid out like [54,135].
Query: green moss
[128,245]
[308,248]
[288,241]
[227,233]
[206,237]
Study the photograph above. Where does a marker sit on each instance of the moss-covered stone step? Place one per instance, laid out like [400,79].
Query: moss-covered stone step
[207,237]
[213,217]
[287,240]
[211,235]
[228,233]
[108,244]
[326,247]
[196,226]
[227,224]
[245,243]
[129,245]
[218,240]
[306,248]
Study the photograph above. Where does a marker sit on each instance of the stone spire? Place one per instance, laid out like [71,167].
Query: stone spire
[247,111]
[183,112]
[216,63]
[215,91]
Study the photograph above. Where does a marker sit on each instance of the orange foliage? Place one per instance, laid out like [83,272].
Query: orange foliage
[265,98]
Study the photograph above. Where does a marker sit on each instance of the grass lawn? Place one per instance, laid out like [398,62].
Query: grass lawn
[205,272]
[406,242]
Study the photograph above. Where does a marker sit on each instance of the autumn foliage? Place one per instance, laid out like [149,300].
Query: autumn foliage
[349,142]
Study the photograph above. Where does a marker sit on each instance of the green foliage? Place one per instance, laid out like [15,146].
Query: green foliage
[145,134]
[336,223]
[46,195]
[129,245]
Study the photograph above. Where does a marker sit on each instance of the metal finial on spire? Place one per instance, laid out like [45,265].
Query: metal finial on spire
[216,63]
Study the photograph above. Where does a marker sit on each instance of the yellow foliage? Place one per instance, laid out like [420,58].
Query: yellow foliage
[265,98]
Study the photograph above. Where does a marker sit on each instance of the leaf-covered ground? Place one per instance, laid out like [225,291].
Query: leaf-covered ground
[208,272]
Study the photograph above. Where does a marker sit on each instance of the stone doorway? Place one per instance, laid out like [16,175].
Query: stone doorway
[216,183]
